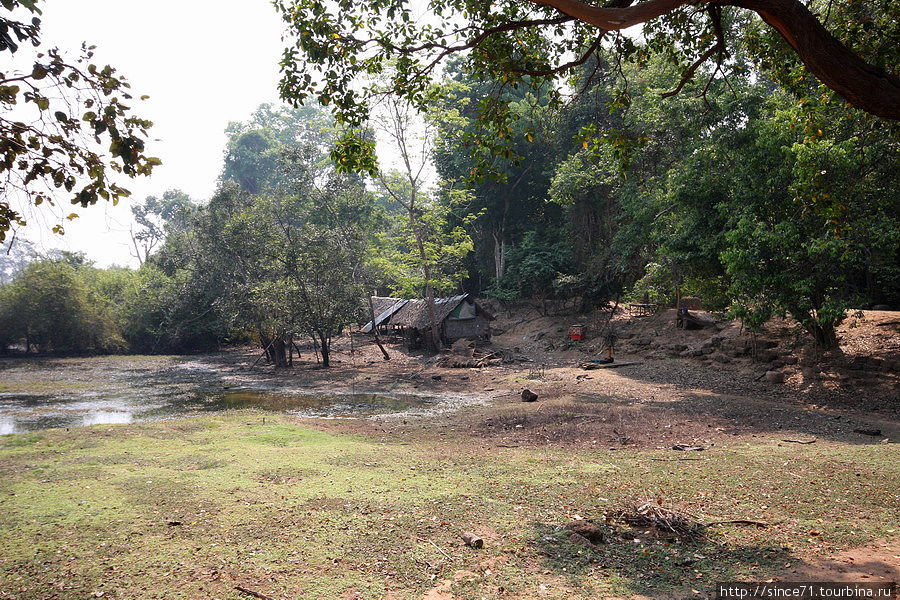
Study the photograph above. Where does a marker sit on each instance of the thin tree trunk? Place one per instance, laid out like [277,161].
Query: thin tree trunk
[429,289]
[325,350]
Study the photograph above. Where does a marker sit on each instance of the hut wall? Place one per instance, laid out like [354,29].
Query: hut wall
[477,328]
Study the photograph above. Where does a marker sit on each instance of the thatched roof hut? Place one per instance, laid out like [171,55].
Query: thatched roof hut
[457,317]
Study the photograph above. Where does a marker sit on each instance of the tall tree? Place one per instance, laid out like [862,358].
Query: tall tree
[156,217]
[411,138]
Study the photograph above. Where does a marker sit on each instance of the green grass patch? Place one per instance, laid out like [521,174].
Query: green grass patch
[191,508]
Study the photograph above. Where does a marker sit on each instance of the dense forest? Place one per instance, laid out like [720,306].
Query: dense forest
[741,191]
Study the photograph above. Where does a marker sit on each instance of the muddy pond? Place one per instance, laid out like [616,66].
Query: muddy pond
[41,394]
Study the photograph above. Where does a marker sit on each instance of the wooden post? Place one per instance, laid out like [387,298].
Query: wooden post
[375,327]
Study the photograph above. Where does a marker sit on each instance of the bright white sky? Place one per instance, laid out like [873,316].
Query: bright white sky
[202,62]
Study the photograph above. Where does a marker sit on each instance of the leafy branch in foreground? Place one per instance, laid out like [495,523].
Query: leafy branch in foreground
[64,125]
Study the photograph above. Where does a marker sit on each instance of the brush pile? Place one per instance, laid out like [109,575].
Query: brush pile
[652,515]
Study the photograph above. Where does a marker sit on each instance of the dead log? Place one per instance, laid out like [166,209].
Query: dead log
[472,540]
[801,441]
[591,365]
[685,320]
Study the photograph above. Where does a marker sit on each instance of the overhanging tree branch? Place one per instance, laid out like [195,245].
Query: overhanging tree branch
[863,85]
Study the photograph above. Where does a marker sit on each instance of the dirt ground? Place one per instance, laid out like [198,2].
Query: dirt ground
[372,507]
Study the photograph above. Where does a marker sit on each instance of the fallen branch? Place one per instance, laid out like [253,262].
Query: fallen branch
[675,459]
[244,590]
[738,522]
[801,441]
[447,556]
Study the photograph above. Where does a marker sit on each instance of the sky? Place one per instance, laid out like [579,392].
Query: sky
[203,63]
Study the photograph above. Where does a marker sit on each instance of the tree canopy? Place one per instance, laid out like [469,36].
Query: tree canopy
[821,50]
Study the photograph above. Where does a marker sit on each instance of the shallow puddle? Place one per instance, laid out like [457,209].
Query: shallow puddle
[21,413]
[100,391]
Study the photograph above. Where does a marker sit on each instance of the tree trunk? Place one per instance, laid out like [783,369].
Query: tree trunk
[499,252]
[435,343]
[824,334]
[279,352]
[325,349]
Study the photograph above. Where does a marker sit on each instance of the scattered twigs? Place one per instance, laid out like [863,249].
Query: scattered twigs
[244,590]
[801,441]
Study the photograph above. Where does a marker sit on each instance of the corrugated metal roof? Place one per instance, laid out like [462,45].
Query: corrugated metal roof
[387,307]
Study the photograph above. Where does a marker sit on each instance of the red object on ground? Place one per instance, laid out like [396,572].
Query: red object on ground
[576,332]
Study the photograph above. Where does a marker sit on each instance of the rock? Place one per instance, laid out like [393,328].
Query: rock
[437,377]
[720,358]
[528,395]
[677,347]
[641,342]
[587,530]
[774,376]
